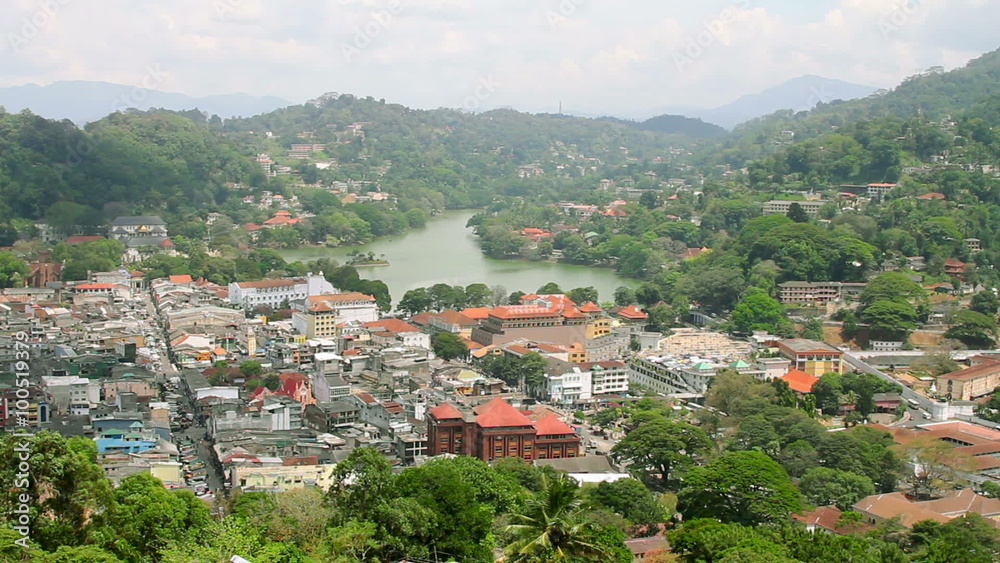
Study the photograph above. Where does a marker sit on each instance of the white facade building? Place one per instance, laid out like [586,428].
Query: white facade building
[567,383]
[610,377]
[274,293]
[671,375]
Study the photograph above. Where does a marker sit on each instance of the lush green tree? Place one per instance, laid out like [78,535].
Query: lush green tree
[890,320]
[251,368]
[478,295]
[631,499]
[552,527]
[974,329]
[449,346]
[13,271]
[624,296]
[144,518]
[549,289]
[823,486]
[756,433]
[985,302]
[583,295]
[732,390]
[796,213]
[969,539]
[827,391]
[415,301]
[759,311]
[740,487]
[660,449]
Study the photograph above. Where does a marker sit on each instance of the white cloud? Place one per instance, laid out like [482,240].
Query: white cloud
[597,55]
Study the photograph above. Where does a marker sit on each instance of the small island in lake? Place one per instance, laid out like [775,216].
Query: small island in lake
[358,258]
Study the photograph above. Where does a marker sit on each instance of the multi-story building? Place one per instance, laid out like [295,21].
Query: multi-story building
[126,228]
[978,380]
[567,383]
[818,293]
[275,293]
[812,357]
[496,430]
[782,206]
[671,375]
[320,316]
[609,377]
[544,318]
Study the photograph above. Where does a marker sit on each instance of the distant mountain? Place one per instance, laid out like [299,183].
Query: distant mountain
[798,94]
[83,101]
[674,124]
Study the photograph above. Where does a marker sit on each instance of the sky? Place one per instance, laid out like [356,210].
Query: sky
[603,56]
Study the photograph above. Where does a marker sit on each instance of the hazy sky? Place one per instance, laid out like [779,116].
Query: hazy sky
[594,55]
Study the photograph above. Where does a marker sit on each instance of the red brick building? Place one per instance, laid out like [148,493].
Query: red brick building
[495,430]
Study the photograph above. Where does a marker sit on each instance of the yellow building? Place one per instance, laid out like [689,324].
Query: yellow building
[812,357]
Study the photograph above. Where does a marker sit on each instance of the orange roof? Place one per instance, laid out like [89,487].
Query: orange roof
[591,307]
[452,316]
[264,284]
[392,324]
[551,425]
[334,297]
[632,312]
[80,239]
[931,195]
[445,411]
[573,313]
[499,412]
[524,312]
[95,286]
[220,351]
[166,243]
[185,278]
[800,381]
[476,313]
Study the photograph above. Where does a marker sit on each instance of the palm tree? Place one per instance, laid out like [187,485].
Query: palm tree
[550,527]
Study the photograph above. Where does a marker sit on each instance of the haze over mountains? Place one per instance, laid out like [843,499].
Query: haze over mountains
[85,101]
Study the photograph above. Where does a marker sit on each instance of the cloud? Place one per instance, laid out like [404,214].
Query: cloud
[596,55]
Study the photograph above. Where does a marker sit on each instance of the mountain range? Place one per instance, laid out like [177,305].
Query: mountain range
[83,101]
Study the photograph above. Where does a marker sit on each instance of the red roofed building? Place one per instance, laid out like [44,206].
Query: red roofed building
[496,430]
[954,267]
[799,381]
[181,279]
[630,315]
[931,195]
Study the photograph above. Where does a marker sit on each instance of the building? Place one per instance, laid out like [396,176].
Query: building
[543,318]
[610,377]
[671,375]
[496,430]
[781,206]
[127,228]
[275,293]
[817,293]
[319,315]
[567,383]
[877,192]
[814,358]
[978,380]
[879,508]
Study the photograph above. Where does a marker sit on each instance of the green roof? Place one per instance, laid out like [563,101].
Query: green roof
[739,364]
[703,366]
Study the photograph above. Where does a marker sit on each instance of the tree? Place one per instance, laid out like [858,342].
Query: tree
[551,526]
[827,391]
[549,289]
[890,320]
[624,296]
[985,302]
[731,390]
[251,368]
[756,433]
[976,330]
[823,486]
[661,449]
[759,311]
[893,286]
[649,200]
[13,270]
[937,466]
[498,295]
[812,329]
[796,213]
[448,346]
[966,539]
[478,295]
[746,488]
[631,499]
[415,301]
[145,518]
[583,295]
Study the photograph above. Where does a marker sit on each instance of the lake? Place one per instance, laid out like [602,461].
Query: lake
[445,251]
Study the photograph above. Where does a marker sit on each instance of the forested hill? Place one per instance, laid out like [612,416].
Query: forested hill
[933,93]
[674,124]
[125,162]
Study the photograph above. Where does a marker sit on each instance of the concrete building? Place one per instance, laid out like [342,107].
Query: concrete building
[973,382]
[320,316]
[672,375]
[275,293]
[782,206]
[817,293]
[567,383]
[607,377]
[812,357]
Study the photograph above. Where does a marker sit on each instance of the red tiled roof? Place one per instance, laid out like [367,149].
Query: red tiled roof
[166,243]
[551,425]
[445,411]
[476,313]
[499,412]
[80,239]
[95,286]
[452,316]
[632,312]
[800,381]
[421,318]
[591,307]
[185,278]
[931,195]
[392,325]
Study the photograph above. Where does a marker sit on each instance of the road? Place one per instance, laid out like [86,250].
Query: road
[907,393]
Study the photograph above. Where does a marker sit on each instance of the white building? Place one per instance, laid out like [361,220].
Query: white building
[71,394]
[609,377]
[318,316]
[672,375]
[811,207]
[274,293]
[567,383]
